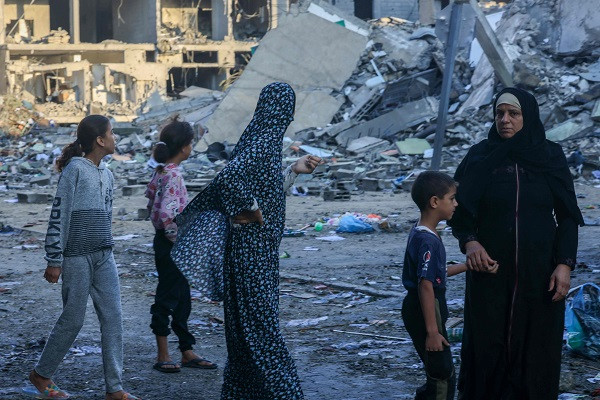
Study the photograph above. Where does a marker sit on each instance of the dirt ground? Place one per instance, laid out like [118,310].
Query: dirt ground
[331,364]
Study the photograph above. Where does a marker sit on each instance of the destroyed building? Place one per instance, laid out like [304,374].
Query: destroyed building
[85,55]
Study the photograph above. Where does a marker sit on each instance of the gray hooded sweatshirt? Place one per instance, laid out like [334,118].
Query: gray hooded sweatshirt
[81,216]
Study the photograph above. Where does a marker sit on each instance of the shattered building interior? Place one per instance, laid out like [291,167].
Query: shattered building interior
[101,52]
[79,56]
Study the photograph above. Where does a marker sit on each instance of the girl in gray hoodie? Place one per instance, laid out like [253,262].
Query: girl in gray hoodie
[79,247]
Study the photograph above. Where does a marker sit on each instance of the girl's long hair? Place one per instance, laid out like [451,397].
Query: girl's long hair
[88,130]
[173,137]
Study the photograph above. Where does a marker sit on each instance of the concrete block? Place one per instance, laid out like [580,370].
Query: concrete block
[43,180]
[369,184]
[387,125]
[596,111]
[569,129]
[34,198]
[133,190]
[413,146]
[143,213]
[366,144]
[344,173]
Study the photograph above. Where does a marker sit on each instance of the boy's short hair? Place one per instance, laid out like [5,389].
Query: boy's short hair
[429,184]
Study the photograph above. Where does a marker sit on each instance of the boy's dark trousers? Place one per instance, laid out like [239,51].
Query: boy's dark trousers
[172,295]
[441,380]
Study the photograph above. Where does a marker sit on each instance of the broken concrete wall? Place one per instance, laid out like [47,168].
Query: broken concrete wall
[134,21]
[219,20]
[321,69]
[251,18]
[578,26]
[35,22]
[182,14]
[483,79]
[346,6]
[405,9]
[568,27]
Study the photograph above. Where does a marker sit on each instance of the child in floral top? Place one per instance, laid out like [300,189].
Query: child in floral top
[168,197]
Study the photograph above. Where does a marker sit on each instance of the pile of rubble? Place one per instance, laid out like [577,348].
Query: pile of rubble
[382,127]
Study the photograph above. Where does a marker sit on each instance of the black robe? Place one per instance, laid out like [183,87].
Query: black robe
[526,221]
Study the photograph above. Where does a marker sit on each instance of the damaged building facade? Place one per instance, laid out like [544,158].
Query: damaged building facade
[81,56]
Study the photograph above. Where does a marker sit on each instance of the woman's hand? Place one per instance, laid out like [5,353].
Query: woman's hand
[52,273]
[478,259]
[560,281]
[247,217]
[306,164]
[435,342]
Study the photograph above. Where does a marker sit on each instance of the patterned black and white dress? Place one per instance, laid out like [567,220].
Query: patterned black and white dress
[259,366]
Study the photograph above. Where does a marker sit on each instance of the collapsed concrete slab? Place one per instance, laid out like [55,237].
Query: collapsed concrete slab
[387,125]
[298,52]
[578,24]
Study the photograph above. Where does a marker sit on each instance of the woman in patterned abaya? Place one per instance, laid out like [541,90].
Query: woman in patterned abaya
[517,207]
[250,191]
[259,366]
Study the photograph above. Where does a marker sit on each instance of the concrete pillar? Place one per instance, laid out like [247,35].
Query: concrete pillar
[157,19]
[74,20]
[219,20]
[228,11]
[3,73]
[226,60]
[2,25]
[273,14]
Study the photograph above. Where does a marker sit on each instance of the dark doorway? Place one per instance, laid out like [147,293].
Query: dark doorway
[363,9]
[96,19]
[59,15]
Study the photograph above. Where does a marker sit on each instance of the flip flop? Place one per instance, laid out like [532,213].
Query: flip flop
[51,392]
[129,396]
[159,366]
[196,363]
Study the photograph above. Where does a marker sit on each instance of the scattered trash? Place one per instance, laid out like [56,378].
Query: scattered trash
[332,238]
[302,323]
[308,248]
[582,320]
[285,254]
[401,339]
[125,237]
[351,224]
[293,233]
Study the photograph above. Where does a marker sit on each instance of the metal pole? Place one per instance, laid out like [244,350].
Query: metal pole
[451,46]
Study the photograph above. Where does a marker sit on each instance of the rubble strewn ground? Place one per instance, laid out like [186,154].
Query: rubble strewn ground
[340,309]
[331,364]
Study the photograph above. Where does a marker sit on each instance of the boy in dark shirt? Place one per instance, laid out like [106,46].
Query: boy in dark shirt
[424,310]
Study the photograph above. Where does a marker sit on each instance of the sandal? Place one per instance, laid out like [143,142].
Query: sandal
[197,363]
[127,396]
[50,392]
[160,366]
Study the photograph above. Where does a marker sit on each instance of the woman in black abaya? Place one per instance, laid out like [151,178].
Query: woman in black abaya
[517,207]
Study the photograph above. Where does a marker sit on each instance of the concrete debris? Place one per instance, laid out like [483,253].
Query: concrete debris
[367,105]
[322,70]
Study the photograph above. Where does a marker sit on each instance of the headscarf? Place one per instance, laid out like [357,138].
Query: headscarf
[528,147]
[274,113]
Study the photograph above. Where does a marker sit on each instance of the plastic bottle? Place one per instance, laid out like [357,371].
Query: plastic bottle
[455,335]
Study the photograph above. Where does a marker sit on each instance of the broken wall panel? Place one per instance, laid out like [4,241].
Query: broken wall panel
[134,21]
[322,69]
[35,21]
[251,18]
